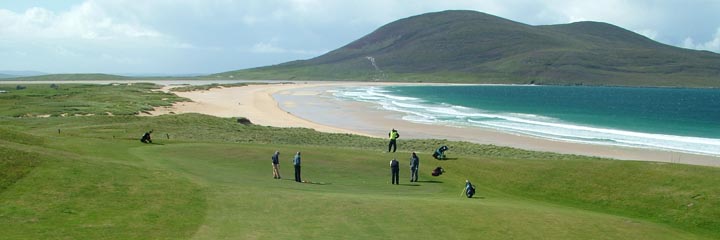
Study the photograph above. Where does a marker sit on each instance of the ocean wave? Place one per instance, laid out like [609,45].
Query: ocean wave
[421,111]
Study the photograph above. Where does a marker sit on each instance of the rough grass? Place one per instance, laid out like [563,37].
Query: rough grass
[90,200]
[66,195]
[82,99]
[211,86]
[14,165]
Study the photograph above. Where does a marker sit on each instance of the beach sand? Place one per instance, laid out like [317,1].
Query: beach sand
[307,105]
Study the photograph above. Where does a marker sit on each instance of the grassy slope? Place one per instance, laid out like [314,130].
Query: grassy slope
[84,196]
[15,164]
[211,180]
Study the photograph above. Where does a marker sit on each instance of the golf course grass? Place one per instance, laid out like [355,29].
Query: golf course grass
[89,177]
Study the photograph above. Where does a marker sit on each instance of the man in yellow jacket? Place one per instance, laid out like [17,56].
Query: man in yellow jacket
[394,135]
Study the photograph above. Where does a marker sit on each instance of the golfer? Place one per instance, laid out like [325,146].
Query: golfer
[414,165]
[395,169]
[394,135]
[296,163]
[276,165]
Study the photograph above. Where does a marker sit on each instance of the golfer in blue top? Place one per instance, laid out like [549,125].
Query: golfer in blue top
[296,163]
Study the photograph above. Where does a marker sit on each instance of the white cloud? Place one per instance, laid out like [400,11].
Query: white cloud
[711,45]
[121,59]
[88,20]
[250,20]
[264,47]
[65,52]
[271,47]
[306,5]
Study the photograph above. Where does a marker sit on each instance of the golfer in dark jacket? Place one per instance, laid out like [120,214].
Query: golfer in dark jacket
[146,137]
[395,169]
[276,165]
[414,165]
[296,163]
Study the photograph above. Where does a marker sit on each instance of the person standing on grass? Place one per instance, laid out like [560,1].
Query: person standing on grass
[395,169]
[276,165]
[414,165]
[394,135]
[296,163]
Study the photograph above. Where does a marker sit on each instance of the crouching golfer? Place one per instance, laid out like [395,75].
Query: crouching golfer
[146,137]
[395,169]
[276,165]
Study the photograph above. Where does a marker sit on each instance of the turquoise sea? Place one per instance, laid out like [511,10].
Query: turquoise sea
[685,120]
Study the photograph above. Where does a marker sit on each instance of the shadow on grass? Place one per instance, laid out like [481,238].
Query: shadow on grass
[430,181]
[317,183]
[307,182]
[410,184]
[446,159]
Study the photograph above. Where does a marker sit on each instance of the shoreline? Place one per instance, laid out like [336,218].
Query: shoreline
[303,105]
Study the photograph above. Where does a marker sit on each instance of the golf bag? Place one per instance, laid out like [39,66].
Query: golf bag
[438,171]
[440,153]
[469,190]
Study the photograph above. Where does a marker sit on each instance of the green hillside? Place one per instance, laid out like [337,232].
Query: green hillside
[88,177]
[473,47]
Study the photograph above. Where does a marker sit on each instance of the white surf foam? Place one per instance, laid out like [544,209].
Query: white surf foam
[420,111]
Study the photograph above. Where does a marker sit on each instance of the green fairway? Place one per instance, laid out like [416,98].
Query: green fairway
[89,177]
[222,190]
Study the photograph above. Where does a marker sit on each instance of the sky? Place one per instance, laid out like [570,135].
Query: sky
[209,36]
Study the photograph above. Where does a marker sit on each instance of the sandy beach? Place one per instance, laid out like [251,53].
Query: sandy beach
[306,104]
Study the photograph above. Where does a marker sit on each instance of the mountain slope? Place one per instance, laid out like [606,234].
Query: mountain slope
[468,46]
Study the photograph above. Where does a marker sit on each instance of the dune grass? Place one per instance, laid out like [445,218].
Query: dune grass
[210,178]
[191,88]
[82,99]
